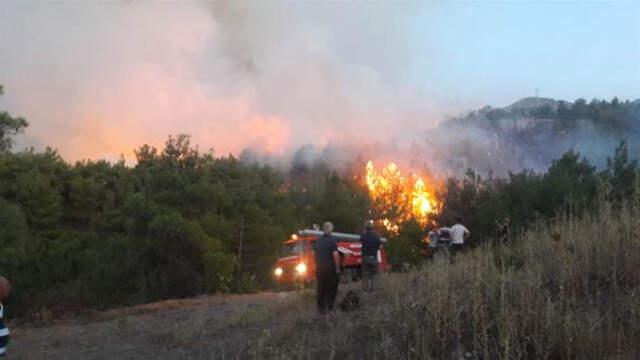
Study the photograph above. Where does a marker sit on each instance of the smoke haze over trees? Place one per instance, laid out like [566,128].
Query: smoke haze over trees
[97,79]
[183,222]
[532,132]
[528,134]
[219,71]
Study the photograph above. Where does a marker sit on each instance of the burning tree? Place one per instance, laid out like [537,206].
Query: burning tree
[398,198]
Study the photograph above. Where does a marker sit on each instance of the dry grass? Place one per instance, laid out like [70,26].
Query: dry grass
[568,290]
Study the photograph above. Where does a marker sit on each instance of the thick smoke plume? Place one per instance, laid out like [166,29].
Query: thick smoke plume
[279,82]
[266,76]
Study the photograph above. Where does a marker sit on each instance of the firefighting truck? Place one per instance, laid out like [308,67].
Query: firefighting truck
[296,264]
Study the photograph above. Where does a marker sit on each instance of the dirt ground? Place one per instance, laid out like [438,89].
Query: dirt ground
[213,327]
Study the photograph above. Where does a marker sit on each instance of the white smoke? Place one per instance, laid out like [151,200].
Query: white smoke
[96,80]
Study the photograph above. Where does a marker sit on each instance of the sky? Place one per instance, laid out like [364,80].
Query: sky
[99,79]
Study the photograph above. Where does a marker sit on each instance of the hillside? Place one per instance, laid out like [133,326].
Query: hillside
[532,103]
[567,290]
[180,223]
[531,132]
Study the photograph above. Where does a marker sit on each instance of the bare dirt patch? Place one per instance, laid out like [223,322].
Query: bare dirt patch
[201,328]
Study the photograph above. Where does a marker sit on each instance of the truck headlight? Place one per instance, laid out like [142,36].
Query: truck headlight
[301,268]
[278,271]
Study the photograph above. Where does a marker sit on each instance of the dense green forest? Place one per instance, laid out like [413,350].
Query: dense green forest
[615,116]
[177,224]
[181,222]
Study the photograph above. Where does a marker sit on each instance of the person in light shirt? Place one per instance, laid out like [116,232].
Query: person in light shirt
[459,233]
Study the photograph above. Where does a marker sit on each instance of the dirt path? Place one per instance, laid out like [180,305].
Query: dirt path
[201,328]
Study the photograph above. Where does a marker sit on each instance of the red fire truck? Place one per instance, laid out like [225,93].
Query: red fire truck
[296,263]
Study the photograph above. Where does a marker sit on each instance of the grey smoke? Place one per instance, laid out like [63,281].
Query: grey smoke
[97,80]
[510,143]
[335,71]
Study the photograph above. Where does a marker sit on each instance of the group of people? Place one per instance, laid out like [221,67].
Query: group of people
[327,259]
[455,235]
[328,268]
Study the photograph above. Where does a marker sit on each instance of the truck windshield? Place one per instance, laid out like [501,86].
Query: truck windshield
[292,248]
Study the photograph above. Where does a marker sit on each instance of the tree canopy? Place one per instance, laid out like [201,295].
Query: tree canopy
[182,222]
[9,127]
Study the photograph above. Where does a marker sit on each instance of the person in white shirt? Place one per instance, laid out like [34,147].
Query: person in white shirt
[459,233]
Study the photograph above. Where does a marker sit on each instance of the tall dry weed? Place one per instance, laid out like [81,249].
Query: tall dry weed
[568,289]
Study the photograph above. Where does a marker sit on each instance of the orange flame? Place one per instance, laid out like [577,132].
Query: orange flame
[399,198]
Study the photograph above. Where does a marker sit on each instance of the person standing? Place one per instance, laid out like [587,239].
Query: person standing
[504,230]
[459,233]
[5,289]
[369,262]
[327,269]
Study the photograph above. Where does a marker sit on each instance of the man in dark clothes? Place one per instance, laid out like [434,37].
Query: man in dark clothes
[327,268]
[370,246]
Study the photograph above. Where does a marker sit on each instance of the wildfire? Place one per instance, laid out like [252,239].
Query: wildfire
[399,198]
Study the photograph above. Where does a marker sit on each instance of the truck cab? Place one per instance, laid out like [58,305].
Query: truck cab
[296,264]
